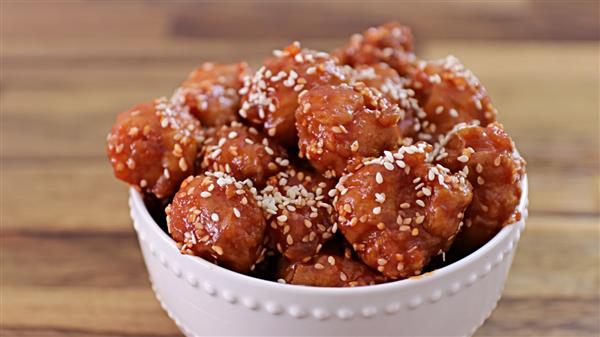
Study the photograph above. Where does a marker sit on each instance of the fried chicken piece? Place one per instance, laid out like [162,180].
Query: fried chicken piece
[270,97]
[488,158]
[394,88]
[152,147]
[243,153]
[449,94]
[299,213]
[217,218]
[391,43]
[211,92]
[398,211]
[340,125]
[326,270]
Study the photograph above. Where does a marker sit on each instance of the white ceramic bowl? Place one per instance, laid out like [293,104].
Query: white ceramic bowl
[205,299]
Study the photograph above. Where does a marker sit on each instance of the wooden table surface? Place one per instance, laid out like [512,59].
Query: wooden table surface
[70,263]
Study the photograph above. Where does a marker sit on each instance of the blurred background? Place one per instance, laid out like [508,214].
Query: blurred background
[69,262]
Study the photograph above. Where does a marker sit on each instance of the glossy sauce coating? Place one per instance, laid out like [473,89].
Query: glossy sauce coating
[299,213]
[326,270]
[449,94]
[395,89]
[217,218]
[270,97]
[152,146]
[398,210]
[243,153]
[340,125]
[391,43]
[211,92]
[487,156]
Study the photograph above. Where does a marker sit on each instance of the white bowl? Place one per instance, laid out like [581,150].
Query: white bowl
[205,299]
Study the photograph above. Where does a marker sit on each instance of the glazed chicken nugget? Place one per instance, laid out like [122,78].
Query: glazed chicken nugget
[330,271]
[243,153]
[395,89]
[211,92]
[487,156]
[398,211]
[152,146]
[449,94]
[391,43]
[217,218]
[299,213]
[340,125]
[270,97]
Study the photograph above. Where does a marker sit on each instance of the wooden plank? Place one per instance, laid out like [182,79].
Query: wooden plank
[552,251]
[256,20]
[543,317]
[126,312]
[81,195]
[105,292]
[80,311]
[66,100]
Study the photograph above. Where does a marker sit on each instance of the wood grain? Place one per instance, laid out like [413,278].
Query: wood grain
[70,263]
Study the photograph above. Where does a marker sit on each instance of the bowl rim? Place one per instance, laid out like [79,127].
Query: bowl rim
[139,207]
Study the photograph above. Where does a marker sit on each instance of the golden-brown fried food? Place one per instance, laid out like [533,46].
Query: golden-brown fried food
[487,156]
[330,271]
[217,218]
[340,125]
[395,89]
[299,213]
[270,97]
[152,146]
[391,43]
[211,92]
[243,153]
[449,94]
[398,210]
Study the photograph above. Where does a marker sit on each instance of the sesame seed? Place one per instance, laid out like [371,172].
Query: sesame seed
[382,262]
[389,166]
[379,178]
[479,168]
[377,210]
[282,218]
[497,161]
[289,239]
[182,164]
[130,163]
[463,159]
[214,217]
[405,205]
[354,146]
[420,203]
[415,232]
[480,180]
[236,212]
[319,266]
[426,191]
[381,226]
[217,249]
[343,276]
[205,194]
[133,131]
[331,260]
